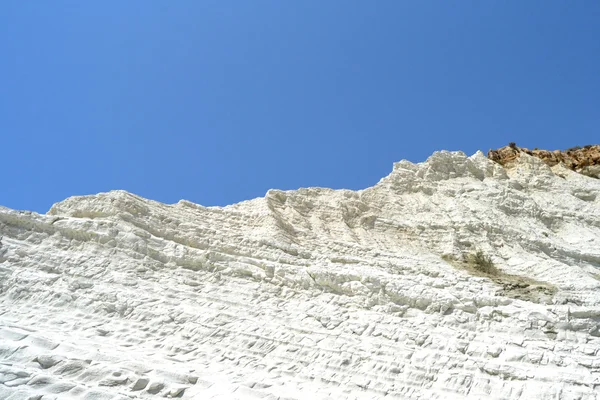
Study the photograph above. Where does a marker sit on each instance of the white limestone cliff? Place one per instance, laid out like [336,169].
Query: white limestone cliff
[312,293]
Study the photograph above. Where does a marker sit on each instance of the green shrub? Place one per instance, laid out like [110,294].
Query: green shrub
[482,262]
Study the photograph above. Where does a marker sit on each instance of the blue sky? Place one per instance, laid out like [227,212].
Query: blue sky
[218,101]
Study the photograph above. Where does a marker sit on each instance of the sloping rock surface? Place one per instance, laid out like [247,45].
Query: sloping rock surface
[313,293]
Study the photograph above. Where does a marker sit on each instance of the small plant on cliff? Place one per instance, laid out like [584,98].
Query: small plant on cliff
[482,262]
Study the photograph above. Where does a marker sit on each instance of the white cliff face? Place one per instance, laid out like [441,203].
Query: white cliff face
[313,293]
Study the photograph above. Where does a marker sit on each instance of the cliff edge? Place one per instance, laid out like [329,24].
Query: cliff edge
[585,160]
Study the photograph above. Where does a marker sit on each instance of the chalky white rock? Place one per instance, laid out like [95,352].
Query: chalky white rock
[313,293]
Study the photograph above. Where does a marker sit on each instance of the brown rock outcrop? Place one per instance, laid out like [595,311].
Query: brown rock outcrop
[585,160]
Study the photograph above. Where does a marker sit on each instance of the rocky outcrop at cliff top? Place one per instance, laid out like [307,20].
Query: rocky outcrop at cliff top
[585,160]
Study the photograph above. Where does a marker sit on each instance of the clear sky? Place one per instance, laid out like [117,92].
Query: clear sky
[219,101]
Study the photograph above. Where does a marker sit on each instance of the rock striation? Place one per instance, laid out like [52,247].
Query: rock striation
[585,160]
[313,293]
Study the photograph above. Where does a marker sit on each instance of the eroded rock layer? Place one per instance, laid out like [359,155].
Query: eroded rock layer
[313,293]
[585,160]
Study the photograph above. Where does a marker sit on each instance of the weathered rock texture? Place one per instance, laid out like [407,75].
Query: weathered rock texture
[312,293]
[585,160]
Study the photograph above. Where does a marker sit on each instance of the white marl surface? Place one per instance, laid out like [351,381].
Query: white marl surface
[313,293]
